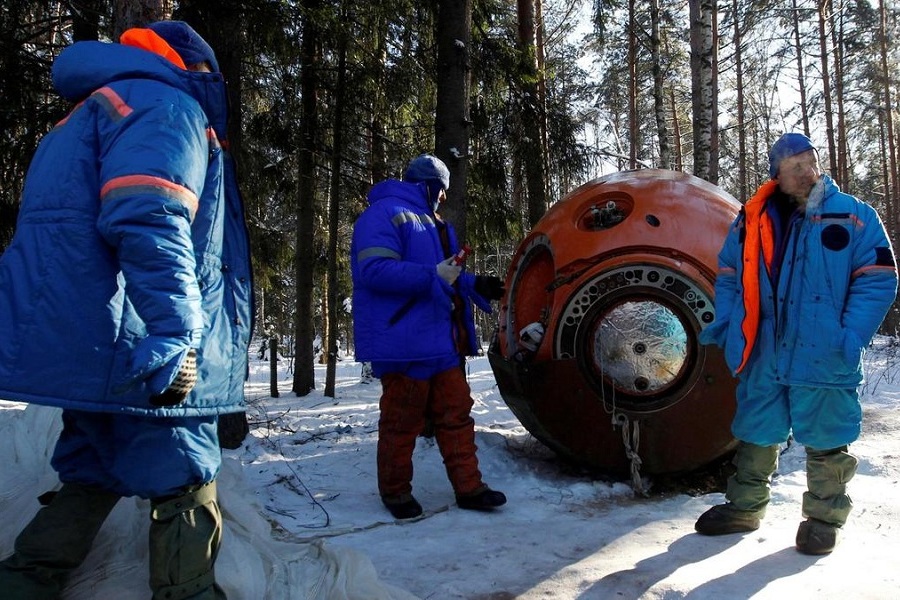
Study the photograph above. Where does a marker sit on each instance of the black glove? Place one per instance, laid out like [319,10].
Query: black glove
[182,385]
[489,287]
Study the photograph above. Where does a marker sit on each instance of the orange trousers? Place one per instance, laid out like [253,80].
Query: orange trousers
[406,403]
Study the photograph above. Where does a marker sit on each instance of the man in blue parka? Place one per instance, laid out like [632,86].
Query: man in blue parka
[806,275]
[125,299]
[412,319]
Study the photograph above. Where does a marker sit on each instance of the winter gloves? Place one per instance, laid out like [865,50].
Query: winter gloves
[486,286]
[448,271]
[181,376]
[489,287]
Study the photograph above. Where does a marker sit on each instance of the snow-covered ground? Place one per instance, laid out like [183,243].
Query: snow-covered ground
[303,517]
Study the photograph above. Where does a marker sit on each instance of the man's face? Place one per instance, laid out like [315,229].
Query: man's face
[798,174]
[199,68]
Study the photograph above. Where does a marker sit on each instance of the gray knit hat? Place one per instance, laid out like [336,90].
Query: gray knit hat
[426,167]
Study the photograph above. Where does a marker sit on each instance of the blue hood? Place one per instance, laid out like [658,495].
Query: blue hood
[84,67]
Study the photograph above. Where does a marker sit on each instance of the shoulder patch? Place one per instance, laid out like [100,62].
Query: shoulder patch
[884,257]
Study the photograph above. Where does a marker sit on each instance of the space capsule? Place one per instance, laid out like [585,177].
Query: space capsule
[596,350]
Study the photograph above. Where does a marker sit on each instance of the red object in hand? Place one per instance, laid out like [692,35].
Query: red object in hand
[461,256]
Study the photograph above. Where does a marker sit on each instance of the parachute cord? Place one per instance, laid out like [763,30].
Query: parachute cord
[631,438]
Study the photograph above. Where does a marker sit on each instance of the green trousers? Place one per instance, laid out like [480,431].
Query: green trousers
[55,542]
[185,533]
[748,489]
[827,474]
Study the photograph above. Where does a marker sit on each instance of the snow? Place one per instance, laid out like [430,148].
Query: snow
[303,518]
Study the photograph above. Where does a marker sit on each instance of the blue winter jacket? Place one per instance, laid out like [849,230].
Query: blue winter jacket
[837,280]
[401,307]
[130,246]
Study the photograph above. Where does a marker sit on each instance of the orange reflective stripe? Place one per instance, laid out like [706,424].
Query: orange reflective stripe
[147,39]
[759,239]
[116,108]
[145,184]
[872,268]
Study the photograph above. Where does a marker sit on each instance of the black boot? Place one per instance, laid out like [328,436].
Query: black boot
[816,537]
[485,499]
[724,519]
[403,506]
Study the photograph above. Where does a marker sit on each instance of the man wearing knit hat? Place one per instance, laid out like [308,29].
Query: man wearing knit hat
[806,275]
[412,319]
[119,262]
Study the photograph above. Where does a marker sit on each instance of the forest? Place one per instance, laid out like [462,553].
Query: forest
[523,100]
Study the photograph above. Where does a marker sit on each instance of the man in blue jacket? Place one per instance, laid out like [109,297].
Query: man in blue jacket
[806,275]
[412,319]
[125,300]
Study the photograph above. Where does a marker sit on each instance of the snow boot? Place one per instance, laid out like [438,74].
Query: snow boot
[747,492]
[484,499]
[724,519]
[55,542]
[185,535]
[816,537]
[826,504]
[403,506]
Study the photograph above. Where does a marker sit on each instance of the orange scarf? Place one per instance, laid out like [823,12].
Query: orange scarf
[760,239]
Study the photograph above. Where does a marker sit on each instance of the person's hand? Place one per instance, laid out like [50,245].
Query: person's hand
[181,384]
[489,287]
[447,271]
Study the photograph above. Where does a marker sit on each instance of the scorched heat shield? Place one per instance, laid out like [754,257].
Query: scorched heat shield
[596,351]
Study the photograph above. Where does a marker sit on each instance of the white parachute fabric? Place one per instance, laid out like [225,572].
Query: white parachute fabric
[252,565]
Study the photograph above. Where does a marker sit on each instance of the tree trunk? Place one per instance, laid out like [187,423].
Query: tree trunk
[659,100]
[676,131]
[137,13]
[889,161]
[273,366]
[703,66]
[86,20]
[713,52]
[633,125]
[530,143]
[304,253]
[801,77]
[837,43]
[451,122]
[378,136]
[741,117]
[334,218]
[891,181]
[539,51]
[824,8]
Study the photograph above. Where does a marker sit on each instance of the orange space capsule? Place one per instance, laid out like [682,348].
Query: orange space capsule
[596,350]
